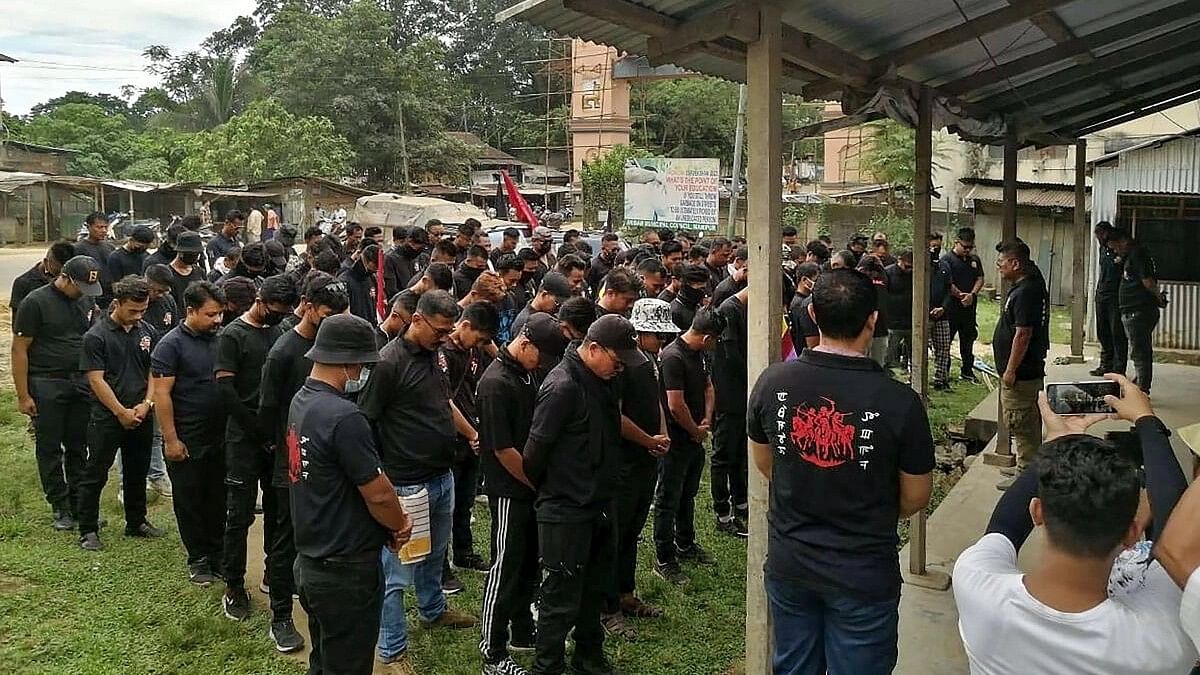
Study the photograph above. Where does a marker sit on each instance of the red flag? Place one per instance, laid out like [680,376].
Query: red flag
[524,213]
[380,300]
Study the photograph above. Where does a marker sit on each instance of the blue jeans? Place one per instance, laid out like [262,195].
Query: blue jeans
[823,631]
[426,575]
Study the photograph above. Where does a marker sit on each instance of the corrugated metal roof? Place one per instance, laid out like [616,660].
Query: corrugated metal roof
[1037,197]
[1123,57]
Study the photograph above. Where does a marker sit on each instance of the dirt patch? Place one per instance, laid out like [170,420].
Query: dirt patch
[11,585]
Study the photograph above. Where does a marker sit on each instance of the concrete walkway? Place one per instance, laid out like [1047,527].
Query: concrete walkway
[929,639]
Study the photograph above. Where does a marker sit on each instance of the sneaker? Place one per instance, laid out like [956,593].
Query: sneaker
[970,377]
[452,618]
[91,542]
[450,583]
[63,520]
[284,635]
[145,531]
[598,665]
[1098,372]
[160,485]
[941,386]
[1006,483]
[398,665]
[201,575]
[733,527]
[472,562]
[696,554]
[505,667]
[671,573]
[236,604]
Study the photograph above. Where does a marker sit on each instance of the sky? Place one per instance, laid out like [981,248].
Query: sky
[96,45]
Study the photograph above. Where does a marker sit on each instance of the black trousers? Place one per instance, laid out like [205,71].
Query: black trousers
[282,558]
[635,494]
[466,481]
[1139,327]
[1114,346]
[60,437]
[963,324]
[198,497]
[513,578]
[248,467]
[576,574]
[729,463]
[675,499]
[105,439]
[342,598]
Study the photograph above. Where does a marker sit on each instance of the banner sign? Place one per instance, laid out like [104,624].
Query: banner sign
[675,193]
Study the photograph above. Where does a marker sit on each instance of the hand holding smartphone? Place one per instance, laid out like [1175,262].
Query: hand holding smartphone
[1082,398]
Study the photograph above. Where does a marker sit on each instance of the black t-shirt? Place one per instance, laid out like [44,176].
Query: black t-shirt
[283,373]
[57,324]
[179,283]
[462,369]
[729,360]
[162,256]
[163,314]
[330,454]
[188,357]
[841,432]
[684,370]
[464,278]
[407,402]
[124,356]
[1108,284]
[242,350]
[643,401]
[218,247]
[1139,265]
[899,298]
[1027,305]
[98,251]
[725,290]
[802,325]
[25,284]
[881,305]
[682,315]
[360,285]
[122,263]
[506,397]
[963,274]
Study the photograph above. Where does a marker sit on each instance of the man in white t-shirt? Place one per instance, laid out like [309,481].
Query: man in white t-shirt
[1075,613]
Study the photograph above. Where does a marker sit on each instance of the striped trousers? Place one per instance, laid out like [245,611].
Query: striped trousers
[513,579]
[940,339]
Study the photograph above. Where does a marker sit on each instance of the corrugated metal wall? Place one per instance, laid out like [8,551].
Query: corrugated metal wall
[1172,168]
[1050,237]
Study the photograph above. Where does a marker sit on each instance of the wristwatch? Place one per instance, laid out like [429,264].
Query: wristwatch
[150,403]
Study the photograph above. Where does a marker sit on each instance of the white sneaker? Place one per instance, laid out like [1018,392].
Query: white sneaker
[160,485]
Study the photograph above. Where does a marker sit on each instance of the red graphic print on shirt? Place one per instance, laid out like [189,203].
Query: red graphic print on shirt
[822,435]
[293,450]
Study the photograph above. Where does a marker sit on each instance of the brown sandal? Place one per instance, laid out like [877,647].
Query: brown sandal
[636,608]
[615,625]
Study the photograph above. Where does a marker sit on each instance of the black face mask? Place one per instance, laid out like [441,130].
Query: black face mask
[274,318]
[409,253]
[935,252]
[690,296]
[189,258]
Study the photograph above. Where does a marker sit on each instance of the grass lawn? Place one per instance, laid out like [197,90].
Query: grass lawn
[130,608]
[989,313]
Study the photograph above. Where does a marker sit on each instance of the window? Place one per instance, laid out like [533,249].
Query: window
[1167,225]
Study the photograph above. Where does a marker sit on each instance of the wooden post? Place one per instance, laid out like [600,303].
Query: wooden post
[764,103]
[28,214]
[1079,254]
[131,214]
[46,210]
[1008,231]
[917,573]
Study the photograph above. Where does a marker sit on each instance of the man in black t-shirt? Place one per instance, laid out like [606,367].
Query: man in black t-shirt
[966,279]
[506,395]
[462,360]
[130,257]
[1114,347]
[116,361]
[186,268]
[40,274]
[360,282]
[728,475]
[189,413]
[690,408]
[342,503]
[692,292]
[242,349]
[800,322]
[408,404]
[847,452]
[47,340]
[95,245]
[900,297]
[1020,343]
[283,374]
[1140,304]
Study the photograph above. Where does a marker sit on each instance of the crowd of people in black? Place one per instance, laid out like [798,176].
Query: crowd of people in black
[574,389]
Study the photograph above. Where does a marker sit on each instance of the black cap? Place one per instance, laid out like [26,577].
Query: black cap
[142,234]
[277,253]
[557,285]
[286,234]
[616,333]
[85,272]
[344,338]
[189,242]
[254,255]
[544,332]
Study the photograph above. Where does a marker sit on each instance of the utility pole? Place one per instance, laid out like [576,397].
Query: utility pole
[403,145]
[738,140]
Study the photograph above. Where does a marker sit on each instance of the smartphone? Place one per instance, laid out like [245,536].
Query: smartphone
[1081,398]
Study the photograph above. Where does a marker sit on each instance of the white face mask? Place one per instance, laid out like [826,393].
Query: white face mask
[353,386]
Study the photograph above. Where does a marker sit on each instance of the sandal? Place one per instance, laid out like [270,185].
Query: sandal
[641,610]
[615,625]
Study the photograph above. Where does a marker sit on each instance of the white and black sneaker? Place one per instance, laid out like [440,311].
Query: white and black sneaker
[505,667]
[236,604]
[284,635]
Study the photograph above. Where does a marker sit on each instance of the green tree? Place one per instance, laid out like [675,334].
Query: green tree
[891,155]
[263,142]
[106,142]
[198,90]
[604,184]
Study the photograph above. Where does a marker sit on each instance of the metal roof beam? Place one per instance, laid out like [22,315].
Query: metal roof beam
[627,14]
[825,57]
[1065,50]
[739,21]
[1164,87]
[835,124]
[1183,94]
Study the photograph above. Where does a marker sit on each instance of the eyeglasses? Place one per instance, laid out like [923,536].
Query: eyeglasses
[618,364]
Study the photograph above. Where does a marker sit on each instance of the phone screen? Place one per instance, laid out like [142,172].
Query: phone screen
[1081,398]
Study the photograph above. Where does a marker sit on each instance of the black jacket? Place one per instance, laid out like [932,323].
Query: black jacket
[900,297]
[398,270]
[573,451]
[464,279]
[939,288]
[361,286]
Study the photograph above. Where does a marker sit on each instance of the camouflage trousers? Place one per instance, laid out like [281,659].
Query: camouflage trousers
[1023,417]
